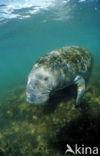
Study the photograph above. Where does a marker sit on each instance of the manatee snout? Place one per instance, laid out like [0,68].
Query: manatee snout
[37,91]
[30,95]
[36,96]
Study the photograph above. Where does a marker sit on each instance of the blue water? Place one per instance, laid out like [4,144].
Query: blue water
[29,29]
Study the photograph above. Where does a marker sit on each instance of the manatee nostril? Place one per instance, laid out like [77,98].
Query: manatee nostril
[30,94]
[31,98]
[46,78]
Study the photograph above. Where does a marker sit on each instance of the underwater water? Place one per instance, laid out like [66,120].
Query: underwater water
[28,30]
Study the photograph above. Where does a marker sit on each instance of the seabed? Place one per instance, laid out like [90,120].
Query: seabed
[44,130]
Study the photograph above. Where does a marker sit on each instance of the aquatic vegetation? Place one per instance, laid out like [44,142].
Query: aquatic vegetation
[43,130]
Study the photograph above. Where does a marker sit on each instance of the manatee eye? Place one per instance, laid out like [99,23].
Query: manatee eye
[46,78]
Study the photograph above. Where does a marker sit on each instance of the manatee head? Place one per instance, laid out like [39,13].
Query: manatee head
[39,86]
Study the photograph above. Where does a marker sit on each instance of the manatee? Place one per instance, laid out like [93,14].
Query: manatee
[56,70]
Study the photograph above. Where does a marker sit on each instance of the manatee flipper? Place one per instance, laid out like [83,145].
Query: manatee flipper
[80,82]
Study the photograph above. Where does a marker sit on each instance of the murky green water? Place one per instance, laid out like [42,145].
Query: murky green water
[46,129]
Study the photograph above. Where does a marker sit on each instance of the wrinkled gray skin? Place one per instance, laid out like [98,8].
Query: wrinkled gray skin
[56,70]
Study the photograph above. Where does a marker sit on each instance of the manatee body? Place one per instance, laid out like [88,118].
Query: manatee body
[56,70]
